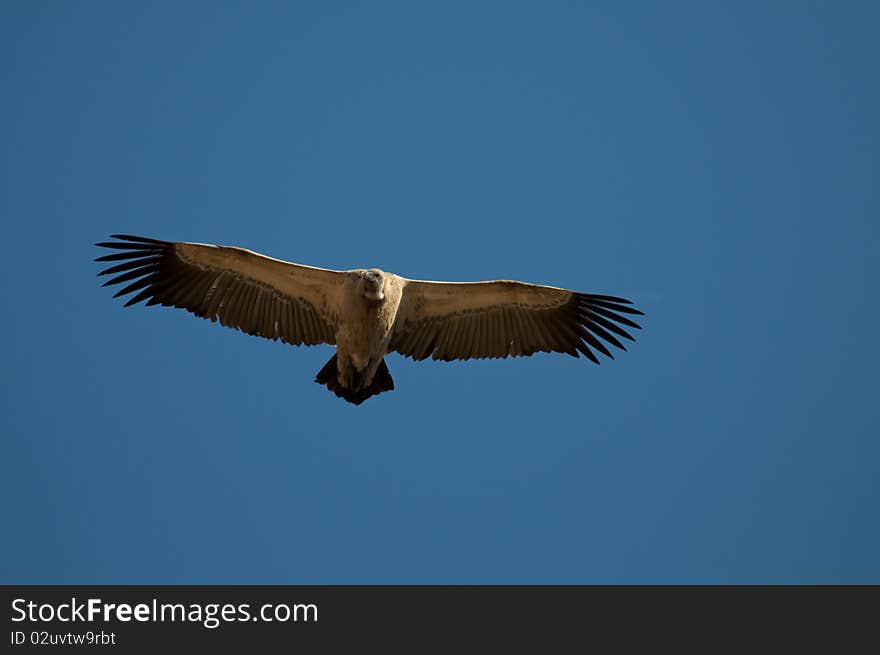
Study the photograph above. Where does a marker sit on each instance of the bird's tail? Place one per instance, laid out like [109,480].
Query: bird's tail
[382,381]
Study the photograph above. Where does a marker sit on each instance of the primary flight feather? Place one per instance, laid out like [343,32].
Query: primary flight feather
[365,313]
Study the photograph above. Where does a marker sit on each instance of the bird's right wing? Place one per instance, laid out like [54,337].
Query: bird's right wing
[241,289]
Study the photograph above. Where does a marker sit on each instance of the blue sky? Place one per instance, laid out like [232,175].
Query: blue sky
[714,161]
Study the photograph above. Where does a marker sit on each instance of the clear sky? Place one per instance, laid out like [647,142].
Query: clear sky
[716,162]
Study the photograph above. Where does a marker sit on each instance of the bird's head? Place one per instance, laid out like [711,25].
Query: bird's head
[374,285]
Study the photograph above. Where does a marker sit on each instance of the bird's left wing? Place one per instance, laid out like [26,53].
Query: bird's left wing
[505,318]
[244,290]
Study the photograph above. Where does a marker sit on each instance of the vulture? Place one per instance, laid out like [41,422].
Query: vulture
[365,313]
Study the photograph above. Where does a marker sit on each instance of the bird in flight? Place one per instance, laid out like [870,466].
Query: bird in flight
[365,313]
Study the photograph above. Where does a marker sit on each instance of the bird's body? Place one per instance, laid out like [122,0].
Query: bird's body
[366,325]
[365,313]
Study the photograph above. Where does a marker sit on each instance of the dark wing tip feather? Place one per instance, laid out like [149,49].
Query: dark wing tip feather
[608,298]
[608,302]
[598,318]
[137,263]
[146,256]
[129,245]
[131,254]
[129,237]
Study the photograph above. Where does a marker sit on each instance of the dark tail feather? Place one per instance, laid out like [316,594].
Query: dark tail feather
[382,381]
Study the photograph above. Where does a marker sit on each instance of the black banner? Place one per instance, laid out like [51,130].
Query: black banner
[130,618]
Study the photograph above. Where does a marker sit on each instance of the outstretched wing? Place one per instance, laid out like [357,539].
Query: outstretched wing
[241,289]
[504,318]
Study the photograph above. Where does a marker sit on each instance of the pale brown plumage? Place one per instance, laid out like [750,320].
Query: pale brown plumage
[365,313]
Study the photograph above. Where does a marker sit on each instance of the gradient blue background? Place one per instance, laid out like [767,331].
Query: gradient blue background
[715,162]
